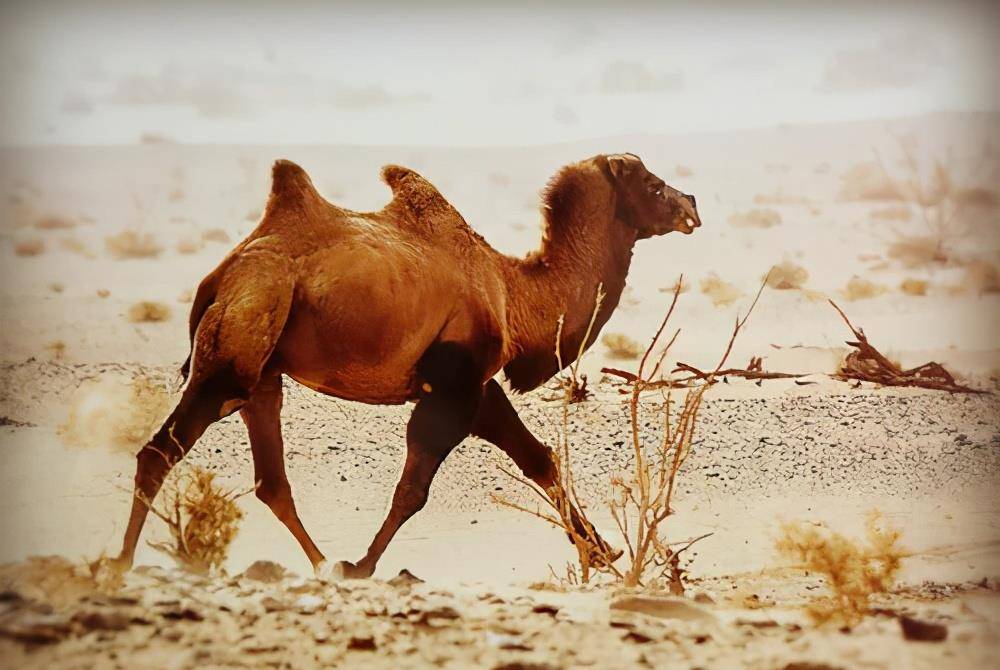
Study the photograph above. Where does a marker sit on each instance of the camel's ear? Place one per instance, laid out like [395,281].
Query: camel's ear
[622,165]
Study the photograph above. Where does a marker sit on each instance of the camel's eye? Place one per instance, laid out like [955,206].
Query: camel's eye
[658,193]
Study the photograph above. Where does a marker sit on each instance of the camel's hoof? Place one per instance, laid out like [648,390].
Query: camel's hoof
[597,557]
[339,571]
[110,571]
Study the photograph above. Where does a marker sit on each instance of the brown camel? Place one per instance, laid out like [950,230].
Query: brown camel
[404,304]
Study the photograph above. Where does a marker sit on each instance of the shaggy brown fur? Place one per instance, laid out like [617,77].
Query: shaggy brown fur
[404,304]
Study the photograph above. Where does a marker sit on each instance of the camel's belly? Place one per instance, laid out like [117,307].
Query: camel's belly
[380,392]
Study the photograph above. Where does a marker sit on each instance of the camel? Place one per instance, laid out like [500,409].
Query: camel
[406,304]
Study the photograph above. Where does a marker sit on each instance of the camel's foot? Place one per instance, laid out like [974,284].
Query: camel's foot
[110,571]
[339,571]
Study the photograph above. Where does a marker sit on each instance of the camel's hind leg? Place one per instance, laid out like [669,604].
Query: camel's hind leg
[233,341]
[262,415]
[497,422]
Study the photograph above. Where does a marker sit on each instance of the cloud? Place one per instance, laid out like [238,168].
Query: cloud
[225,91]
[899,61]
[628,77]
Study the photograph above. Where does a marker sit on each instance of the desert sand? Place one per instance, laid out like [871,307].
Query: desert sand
[813,449]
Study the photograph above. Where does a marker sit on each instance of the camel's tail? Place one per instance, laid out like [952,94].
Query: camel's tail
[203,299]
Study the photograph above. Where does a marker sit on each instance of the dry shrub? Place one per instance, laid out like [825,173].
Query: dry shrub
[641,498]
[103,293]
[76,246]
[915,251]
[755,218]
[115,412]
[859,288]
[894,213]
[911,286]
[977,196]
[132,244]
[786,276]
[175,195]
[30,247]
[148,311]
[54,222]
[185,296]
[202,518]
[721,293]
[189,245]
[216,235]
[683,171]
[853,571]
[56,348]
[57,287]
[982,276]
[869,181]
[621,346]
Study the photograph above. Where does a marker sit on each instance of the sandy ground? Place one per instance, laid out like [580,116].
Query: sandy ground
[823,452]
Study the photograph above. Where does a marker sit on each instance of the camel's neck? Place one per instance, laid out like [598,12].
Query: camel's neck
[584,247]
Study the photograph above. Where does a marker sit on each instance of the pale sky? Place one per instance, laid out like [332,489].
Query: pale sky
[502,74]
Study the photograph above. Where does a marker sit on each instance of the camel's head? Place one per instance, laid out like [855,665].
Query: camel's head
[646,202]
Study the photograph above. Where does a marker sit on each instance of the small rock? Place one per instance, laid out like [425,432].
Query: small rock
[98,620]
[922,631]
[265,571]
[273,604]
[545,609]
[664,607]
[35,628]
[364,643]
[182,613]
[405,578]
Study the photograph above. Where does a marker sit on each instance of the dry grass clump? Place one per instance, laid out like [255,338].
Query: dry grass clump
[103,293]
[869,181]
[915,251]
[56,349]
[859,288]
[621,346]
[982,276]
[215,235]
[978,196]
[202,518]
[683,171]
[787,276]
[76,246]
[721,293]
[189,245]
[148,311]
[894,213]
[915,287]
[115,412]
[755,218]
[854,571]
[29,247]
[54,222]
[132,244]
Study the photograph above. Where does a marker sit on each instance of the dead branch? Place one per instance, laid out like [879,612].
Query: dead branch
[869,364]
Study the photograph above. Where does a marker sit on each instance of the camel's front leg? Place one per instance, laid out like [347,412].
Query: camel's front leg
[440,421]
[497,422]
